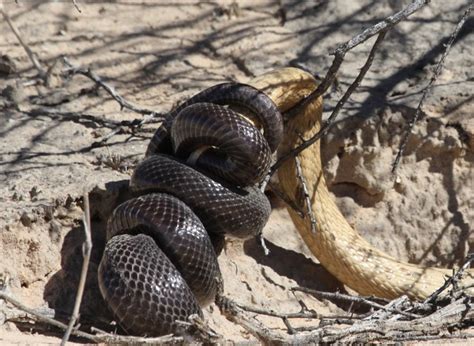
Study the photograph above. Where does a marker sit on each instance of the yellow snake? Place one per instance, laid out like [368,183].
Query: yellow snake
[338,247]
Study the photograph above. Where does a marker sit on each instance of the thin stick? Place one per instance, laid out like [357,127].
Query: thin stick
[202,330]
[309,211]
[41,71]
[427,89]
[365,330]
[43,318]
[427,337]
[280,194]
[451,280]
[341,51]
[349,298]
[341,296]
[74,2]
[261,240]
[336,109]
[72,69]
[301,314]
[86,252]
[233,313]
[102,337]
[390,309]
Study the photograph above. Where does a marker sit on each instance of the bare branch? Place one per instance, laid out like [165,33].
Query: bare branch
[427,89]
[287,200]
[284,316]
[76,5]
[307,199]
[201,329]
[355,299]
[86,251]
[451,280]
[341,51]
[72,69]
[374,328]
[325,128]
[301,314]
[233,313]
[102,337]
[41,71]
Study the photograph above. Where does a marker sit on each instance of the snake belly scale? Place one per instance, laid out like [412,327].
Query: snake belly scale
[160,266]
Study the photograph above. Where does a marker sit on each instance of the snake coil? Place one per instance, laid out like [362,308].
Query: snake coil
[160,265]
[138,280]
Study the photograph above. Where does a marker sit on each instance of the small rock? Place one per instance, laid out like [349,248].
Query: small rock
[48,212]
[7,66]
[13,94]
[34,192]
[69,203]
[27,219]
[16,196]
[98,133]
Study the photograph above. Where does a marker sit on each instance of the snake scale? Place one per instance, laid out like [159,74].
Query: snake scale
[338,247]
[196,184]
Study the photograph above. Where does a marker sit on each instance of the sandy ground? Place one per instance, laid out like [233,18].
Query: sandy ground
[157,53]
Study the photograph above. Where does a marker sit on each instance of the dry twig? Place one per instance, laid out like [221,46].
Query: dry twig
[385,327]
[262,243]
[233,313]
[381,29]
[101,337]
[41,71]
[150,114]
[123,126]
[303,314]
[307,198]
[341,51]
[86,252]
[451,281]
[287,200]
[325,128]
[76,5]
[427,89]
[354,299]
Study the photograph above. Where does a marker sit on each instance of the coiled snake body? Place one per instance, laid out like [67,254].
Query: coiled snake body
[338,247]
[159,264]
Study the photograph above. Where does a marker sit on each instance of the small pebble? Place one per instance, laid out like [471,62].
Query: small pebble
[27,219]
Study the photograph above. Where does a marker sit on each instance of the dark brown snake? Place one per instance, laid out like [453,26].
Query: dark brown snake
[159,266]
